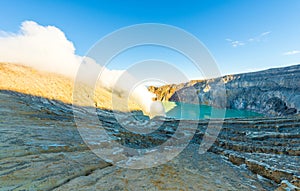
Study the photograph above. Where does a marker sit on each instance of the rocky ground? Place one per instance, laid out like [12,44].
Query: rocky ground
[41,149]
[273,92]
[53,86]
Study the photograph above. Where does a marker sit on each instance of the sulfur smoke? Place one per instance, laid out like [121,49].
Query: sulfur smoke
[46,48]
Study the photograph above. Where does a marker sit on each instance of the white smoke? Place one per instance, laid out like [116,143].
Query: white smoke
[46,48]
[43,48]
[125,85]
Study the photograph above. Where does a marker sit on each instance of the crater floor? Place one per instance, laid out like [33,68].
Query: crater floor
[41,149]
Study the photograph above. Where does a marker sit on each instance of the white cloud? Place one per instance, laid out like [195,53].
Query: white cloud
[44,48]
[4,33]
[293,52]
[235,43]
[251,39]
[259,38]
[265,33]
[47,48]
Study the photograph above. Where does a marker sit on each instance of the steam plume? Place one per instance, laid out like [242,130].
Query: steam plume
[46,48]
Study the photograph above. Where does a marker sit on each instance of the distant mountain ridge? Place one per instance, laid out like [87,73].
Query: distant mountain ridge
[274,92]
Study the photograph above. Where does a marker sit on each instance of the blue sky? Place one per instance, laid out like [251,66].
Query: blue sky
[242,35]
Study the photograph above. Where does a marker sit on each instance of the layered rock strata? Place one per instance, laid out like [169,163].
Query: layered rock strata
[273,92]
[41,149]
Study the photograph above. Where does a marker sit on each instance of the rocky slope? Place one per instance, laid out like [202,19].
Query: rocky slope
[274,92]
[41,149]
[52,86]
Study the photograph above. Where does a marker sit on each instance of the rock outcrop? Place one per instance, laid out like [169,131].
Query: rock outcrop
[41,149]
[27,80]
[273,92]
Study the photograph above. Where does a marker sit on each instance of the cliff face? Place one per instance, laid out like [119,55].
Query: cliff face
[274,92]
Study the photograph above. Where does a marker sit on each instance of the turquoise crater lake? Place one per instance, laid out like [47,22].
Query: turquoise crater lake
[187,111]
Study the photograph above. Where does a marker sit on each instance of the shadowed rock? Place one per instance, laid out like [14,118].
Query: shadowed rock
[41,149]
